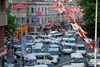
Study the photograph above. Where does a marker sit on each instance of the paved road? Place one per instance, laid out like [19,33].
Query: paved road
[63,58]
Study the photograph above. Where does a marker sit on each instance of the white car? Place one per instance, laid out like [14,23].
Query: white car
[67,36]
[57,36]
[72,41]
[54,52]
[18,51]
[80,48]
[40,66]
[39,44]
[77,60]
[73,45]
[66,49]
[51,33]
[68,66]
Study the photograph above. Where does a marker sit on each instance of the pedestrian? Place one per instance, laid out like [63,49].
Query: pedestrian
[12,59]
[20,40]
[5,58]
[15,58]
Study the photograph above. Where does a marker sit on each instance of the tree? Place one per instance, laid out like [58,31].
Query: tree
[11,27]
[89,17]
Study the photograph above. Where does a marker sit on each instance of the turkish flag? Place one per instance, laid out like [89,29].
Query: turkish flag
[55,4]
[65,1]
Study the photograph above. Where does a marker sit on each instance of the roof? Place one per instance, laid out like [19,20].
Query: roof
[71,38]
[53,49]
[80,45]
[29,56]
[40,66]
[76,55]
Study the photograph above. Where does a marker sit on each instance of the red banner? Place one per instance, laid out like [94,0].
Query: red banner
[38,13]
[3,52]
[18,5]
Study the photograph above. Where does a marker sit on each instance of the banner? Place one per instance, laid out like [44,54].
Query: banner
[24,45]
[38,13]
[3,52]
[19,5]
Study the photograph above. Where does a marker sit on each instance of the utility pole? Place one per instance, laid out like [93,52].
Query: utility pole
[95,60]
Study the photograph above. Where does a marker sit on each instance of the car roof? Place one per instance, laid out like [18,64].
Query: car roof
[54,32]
[58,34]
[53,49]
[36,47]
[80,45]
[71,38]
[68,34]
[17,45]
[76,55]
[68,66]
[40,66]
[55,41]
[29,56]
[53,45]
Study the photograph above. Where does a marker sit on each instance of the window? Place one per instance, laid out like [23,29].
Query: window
[32,10]
[23,18]
[40,57]
[27,10]
[27,20]
[19,10]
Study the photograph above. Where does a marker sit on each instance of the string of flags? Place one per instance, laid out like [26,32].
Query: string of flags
[75,26]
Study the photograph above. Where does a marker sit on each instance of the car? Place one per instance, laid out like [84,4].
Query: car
[67,36]
[18,51]
[48,64]
[37,49]
[34,34]
[40,44]
[45,57]
[56,42]
[52,32]
[54,52]
[77,60]
[80,48]
[57,36]
[66,49]
[40,65]
[36,41]
[55,46]
[68,66]
[72,41]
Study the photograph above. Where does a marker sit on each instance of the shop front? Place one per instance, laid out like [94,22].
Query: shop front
[18,31]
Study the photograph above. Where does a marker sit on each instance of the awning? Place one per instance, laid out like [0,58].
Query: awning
[57,24]
[3,52]
[52,23]
[48,27]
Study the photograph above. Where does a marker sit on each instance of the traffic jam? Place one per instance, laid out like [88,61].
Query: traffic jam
[47,50]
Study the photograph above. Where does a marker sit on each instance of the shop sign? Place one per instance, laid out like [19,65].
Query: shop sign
[3,52]
[19,5]
[38,13]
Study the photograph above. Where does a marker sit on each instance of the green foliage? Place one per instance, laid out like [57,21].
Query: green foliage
[11,24]
[89,6]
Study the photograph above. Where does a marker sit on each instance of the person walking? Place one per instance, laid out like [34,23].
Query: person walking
[15,58]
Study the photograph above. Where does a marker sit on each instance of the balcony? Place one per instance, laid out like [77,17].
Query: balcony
[3,18]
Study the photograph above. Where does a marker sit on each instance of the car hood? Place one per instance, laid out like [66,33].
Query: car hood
[55,56]
[67,49]
[78,64]
[80,51]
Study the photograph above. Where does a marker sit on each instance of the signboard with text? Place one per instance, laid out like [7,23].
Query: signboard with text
[34,19]
[38,13]
[19,5]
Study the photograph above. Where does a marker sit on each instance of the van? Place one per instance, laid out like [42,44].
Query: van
[45,57]
[40,66]
[34,34]
[29,60]
[51,33]
[80,48]
[37,49]
[77,60]
[57,36]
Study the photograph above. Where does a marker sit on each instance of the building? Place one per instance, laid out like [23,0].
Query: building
[19,9]
[3,22]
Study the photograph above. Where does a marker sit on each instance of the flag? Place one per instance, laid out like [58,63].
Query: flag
[60,4]
[68,18]
[74,26]
[82,31]
[55,4]
[80,35]
[64,1]
[91,46]
[88,40]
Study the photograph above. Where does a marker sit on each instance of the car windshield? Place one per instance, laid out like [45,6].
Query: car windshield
[29,46]
[92,57]
[53,52]
[37,50]
[59,44]
[77,60]
[67,46]
[53,36]
[36,42]
[47,38]
[72,41]
[80,48]
[50,65]
[30,62]
[18,48]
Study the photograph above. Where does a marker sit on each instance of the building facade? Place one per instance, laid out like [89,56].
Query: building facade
[3,22]
[19,9]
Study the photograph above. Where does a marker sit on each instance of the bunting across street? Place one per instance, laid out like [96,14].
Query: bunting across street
[76,26]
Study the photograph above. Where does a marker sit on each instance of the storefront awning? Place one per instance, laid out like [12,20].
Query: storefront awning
[3,51]
[52,23]
[57,24]
[48,27]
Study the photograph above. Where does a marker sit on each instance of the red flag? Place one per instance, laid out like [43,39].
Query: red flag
[83,14]
[80,35]
[55,4]
[60,4]
[64,1]
[91,46]
[68,18]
